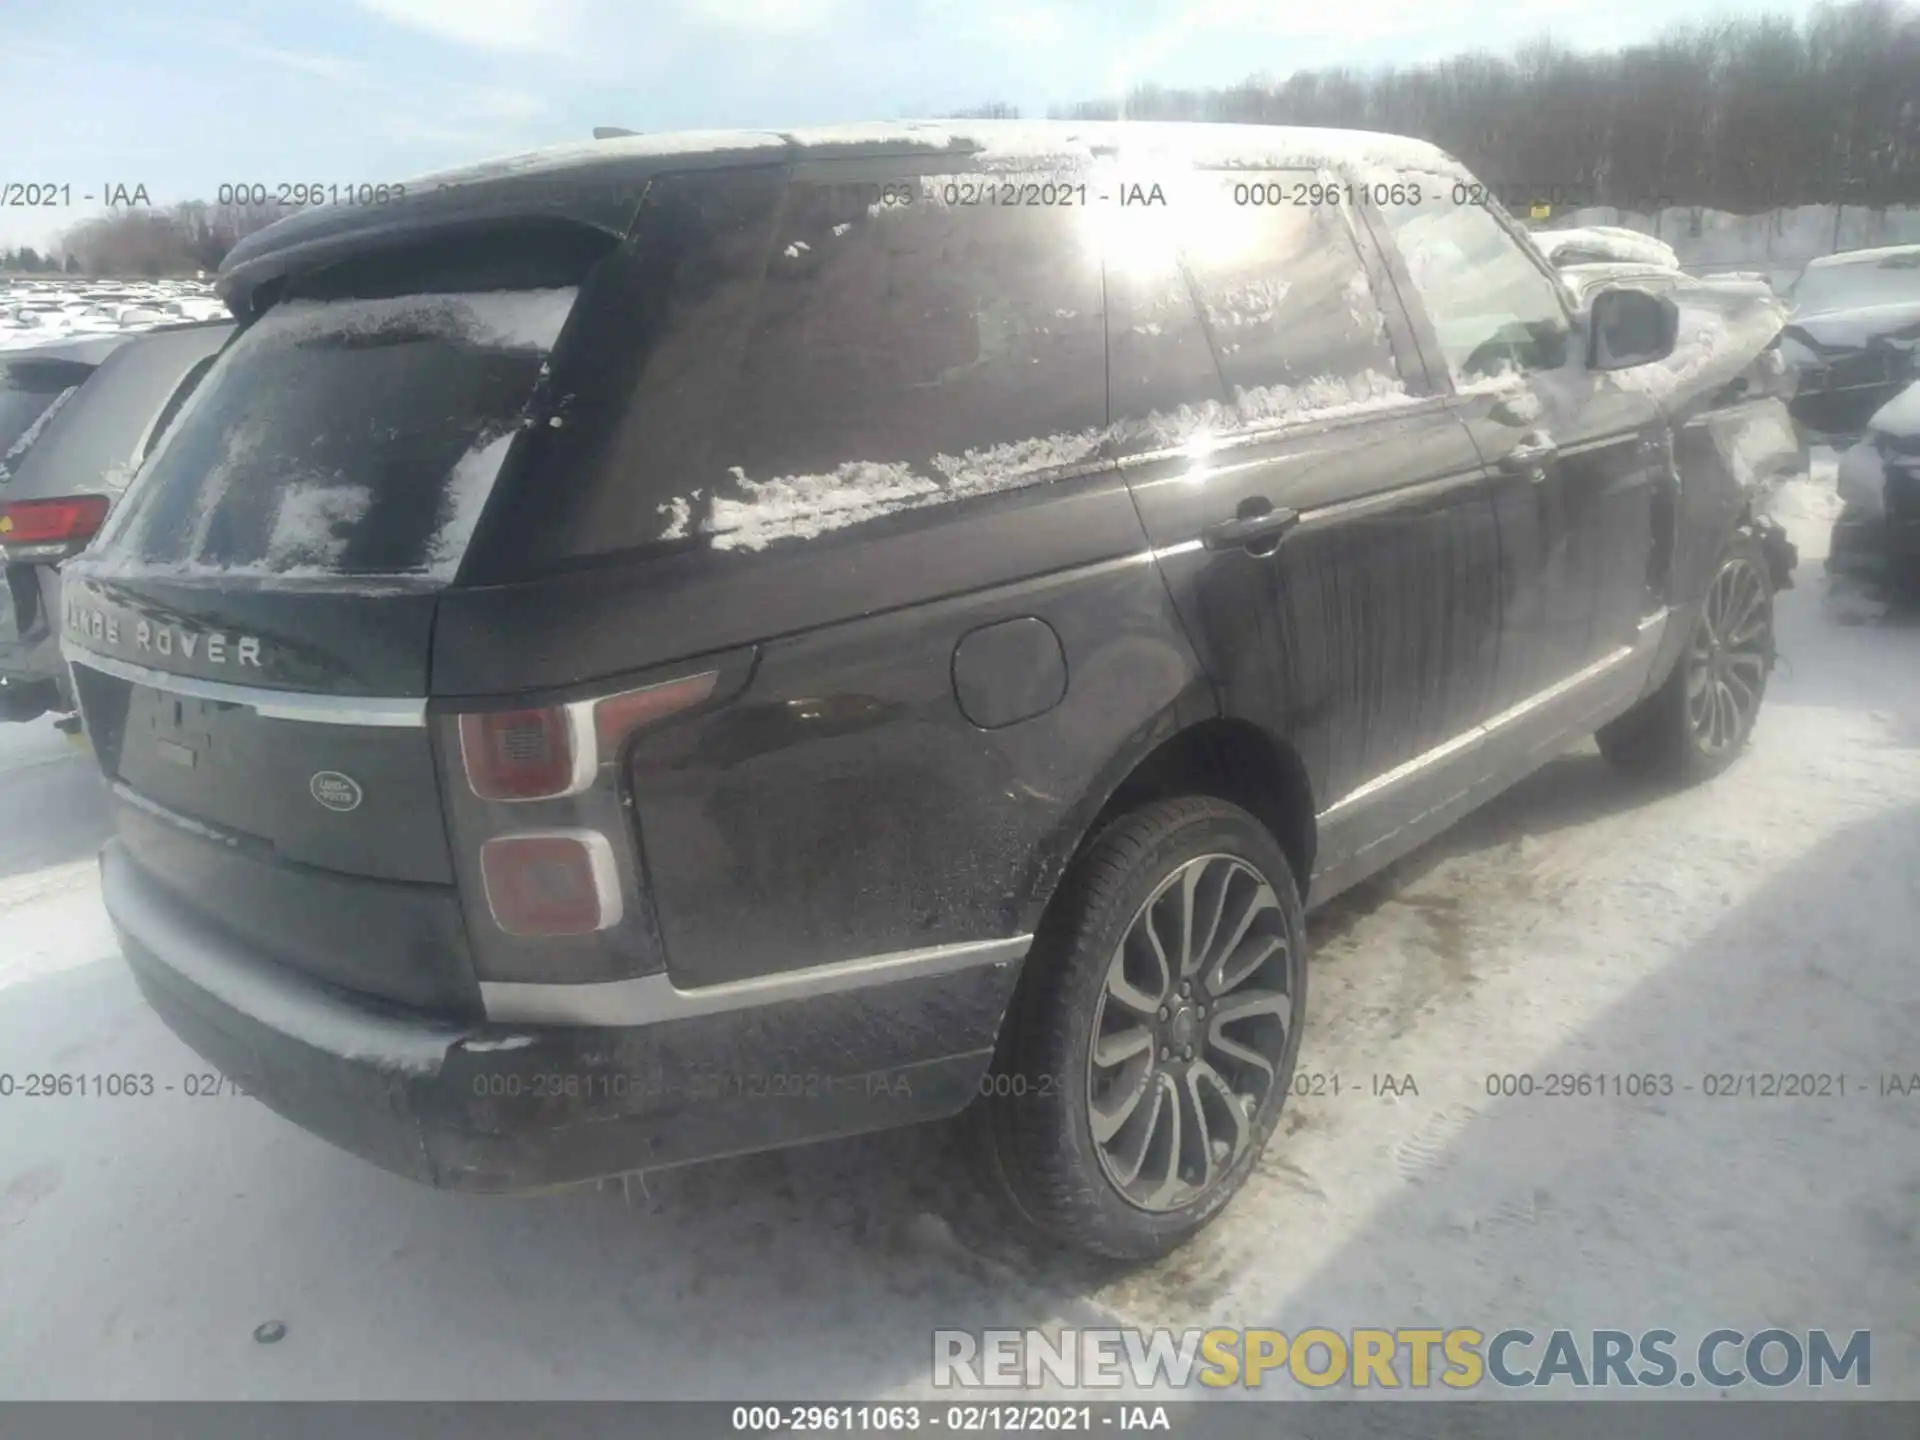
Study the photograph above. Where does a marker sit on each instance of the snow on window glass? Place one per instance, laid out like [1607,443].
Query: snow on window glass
[915,338]
[309,530]
[1273,299]
[872,338]
[343,438]
[1245,312]
[1285,295]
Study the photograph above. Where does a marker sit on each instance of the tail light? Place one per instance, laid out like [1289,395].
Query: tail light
[556,751]
[561,868]
[552,882]
[50,529]
[524,754]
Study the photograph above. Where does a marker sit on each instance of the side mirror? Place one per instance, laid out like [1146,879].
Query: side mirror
[1630,327]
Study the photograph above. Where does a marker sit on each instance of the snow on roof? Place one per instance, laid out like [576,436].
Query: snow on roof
[1239,146]
[581,152]
[1583,273]
[1603,243]
[1863,257]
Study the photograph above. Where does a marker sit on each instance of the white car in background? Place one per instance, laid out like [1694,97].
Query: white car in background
[1604,244]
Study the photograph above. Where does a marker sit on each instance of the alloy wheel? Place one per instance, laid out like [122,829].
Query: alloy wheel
[1727,658]
[1190,1032]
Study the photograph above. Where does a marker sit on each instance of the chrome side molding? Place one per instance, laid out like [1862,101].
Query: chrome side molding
[271,704]
[1646,639]
[651,999]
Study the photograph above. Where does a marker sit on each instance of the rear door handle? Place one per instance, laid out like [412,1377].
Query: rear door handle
[1529,456]
[1250,532]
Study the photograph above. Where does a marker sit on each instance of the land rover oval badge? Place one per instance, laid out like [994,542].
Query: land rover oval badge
[335,791]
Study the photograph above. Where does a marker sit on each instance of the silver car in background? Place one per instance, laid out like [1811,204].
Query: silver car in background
[88,414]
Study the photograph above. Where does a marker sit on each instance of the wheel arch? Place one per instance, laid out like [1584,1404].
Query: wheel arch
[1227,758]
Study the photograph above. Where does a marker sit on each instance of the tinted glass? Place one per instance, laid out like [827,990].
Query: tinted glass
[343,438]
[1493,309]
[915,338]
[660,335]
[775,356]
[1247,305]
[1165,382]
[30,396]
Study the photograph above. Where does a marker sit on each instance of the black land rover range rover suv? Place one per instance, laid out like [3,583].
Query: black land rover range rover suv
[688,644]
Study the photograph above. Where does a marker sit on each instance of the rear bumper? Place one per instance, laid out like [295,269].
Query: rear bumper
[29,648]
[510,1108]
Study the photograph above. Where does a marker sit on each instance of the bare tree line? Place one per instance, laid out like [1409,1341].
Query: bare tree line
[155,241]
[1747,115]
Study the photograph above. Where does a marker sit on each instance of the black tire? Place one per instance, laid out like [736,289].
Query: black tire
[1036,1123]
[20,702]
[1680,734]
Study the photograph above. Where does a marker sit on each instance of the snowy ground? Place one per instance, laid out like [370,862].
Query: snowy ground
[1762,923]
[38,310]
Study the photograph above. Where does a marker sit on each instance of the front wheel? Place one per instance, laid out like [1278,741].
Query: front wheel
[1696,724]
[1152,1042]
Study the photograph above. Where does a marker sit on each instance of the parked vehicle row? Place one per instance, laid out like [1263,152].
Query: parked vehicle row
[681,645]
[1877,535]
[1853,338]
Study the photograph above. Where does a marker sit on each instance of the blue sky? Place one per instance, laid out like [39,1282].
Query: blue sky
[183,95]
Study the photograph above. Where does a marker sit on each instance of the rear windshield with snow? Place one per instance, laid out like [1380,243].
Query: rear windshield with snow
[342,439]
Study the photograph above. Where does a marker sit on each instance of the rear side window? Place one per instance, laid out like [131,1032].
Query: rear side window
[1243,303]
[31,394]
[804,353]
[1285,294]
[914,338]
[343,438]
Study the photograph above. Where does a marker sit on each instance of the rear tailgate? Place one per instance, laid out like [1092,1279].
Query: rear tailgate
[240,755]
[250,635]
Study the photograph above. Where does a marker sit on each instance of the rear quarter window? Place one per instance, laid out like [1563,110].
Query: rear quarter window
[341,439]
[801,355]
[912,344]
[31,394]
